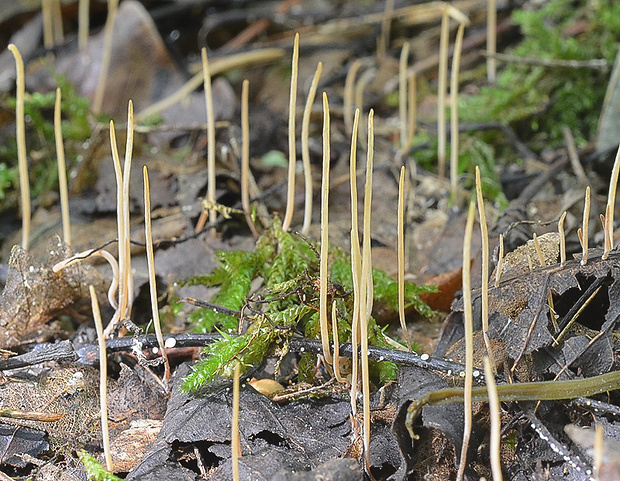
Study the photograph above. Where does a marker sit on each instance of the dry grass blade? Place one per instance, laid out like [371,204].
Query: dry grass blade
[292,158]
[62,172]
[103,378]
[469,339]
[305,150]
[20,134]
[323,274]
[107,55]
[150,258]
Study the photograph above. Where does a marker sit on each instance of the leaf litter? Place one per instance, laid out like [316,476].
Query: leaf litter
[278,440]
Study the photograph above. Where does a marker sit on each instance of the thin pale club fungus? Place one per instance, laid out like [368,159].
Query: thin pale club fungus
[441,92]
[336,362]
[454,113]
[562,239]
[364,80]
[103,379]
[59,36]
[83,25]
[126,232]
[20,135]
[597,458]
[609,211]
[292,156]
[583,231]
[210,144]
[305,149]
[366,290]
[413,108]
[348,96]
[495,438]
[484,235]
[48,24]
[469,340]
[491,41]
[235,441]
[62,172]
[500,260]
[150,259]
[323,274]
[386,26]
[100,253]
[401,255]
[107,56]
[402,97]
[356,263]
[245,157]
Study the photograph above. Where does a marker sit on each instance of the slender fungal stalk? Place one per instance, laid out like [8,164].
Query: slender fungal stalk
[441,92]
[62,172]
[235,441]
[336,363]
[292,157]
[356,264]
[496,424]
[539,253]
[120,222]
[305,150]
[349,87]
[583,232]
[454,112]
[48,24]
[611,201]
[401,256]
[83,24]
[597,458]
[386,26]
[562,239]
[500,260]
[323,274]
[210,143]
[484,234]
[100,253]
[126,232]
[150,259]
[402,96]
[103,378]
[366,290]
[107,55]
[20,135]
[364,79]
[469,339]
[59,36]
[245,157]
[413,108]
[491,43]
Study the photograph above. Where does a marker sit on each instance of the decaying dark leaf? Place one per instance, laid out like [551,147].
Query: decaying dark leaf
[18,440]
[34,293]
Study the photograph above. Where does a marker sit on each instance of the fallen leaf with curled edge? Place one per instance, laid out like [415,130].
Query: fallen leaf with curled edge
[519,311]
[34,293]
